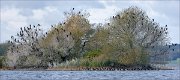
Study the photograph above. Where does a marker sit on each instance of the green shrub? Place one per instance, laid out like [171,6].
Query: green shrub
[84,62]
[143,59]
[96,63]
[91,54]
[2,59]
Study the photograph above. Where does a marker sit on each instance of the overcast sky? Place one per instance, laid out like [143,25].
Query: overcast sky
[16,14]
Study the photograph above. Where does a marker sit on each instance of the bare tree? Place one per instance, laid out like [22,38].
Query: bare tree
[134,31]
[25,43]
[67,39]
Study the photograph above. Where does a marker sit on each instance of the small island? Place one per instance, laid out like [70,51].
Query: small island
[130,40]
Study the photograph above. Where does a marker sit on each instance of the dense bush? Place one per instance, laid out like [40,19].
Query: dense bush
[91,54]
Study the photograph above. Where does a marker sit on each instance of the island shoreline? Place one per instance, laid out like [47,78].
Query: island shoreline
[84,69]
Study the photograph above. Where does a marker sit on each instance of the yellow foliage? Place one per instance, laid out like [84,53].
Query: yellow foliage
[77,25]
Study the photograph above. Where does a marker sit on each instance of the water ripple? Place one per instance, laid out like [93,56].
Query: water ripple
[90,75]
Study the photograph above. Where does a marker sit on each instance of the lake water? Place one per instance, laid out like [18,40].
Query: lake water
[91,75]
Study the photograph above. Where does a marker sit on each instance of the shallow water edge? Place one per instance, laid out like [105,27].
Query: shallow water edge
[91,75]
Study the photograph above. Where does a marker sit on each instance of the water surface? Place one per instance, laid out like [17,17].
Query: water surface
[91,75]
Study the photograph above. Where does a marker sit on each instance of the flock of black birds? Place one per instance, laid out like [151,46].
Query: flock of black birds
[31,36]
[27,35]
[154,30]
[58,31]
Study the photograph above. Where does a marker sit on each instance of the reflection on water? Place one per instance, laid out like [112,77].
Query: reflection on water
[91,75]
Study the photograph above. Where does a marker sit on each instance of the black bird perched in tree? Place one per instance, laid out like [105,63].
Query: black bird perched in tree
[46,32]
[175,44]
[37,40]
[166,26]
[84,44]
[57,30]
[64,22]
[152,19]
[36,33]
[8,41]
[37,49]
[79,12]
[24,28]
[21,28]
[133,13]
[39,25]
[161,27]
[73,8]
[15,40]
[34,26]
[63,58]
[118,16]
[27,28]
[155,26]
[57,39]
[70,33]
[67,35]
[52,26]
